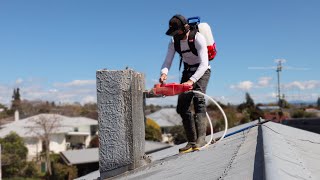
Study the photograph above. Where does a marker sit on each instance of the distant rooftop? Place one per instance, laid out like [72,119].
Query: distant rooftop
[83,156]
[166,117]
[67,124]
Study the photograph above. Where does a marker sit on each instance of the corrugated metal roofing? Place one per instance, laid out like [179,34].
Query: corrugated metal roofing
[270,151]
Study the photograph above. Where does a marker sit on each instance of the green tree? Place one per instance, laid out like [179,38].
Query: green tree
[250,108]
[14,155]
[249,101]
[153,131]
[16,100]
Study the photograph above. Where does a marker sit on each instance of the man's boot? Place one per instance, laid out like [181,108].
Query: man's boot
[201,127]
[191,133]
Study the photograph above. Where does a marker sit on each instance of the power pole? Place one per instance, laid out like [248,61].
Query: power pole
[279,68]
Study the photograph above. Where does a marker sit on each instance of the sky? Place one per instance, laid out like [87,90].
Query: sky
[51,50]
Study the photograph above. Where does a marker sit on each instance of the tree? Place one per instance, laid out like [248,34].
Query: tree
[249,101]
[249,104]
[249,108]
[13,155]
[318,102]
[43,126]
[16,100]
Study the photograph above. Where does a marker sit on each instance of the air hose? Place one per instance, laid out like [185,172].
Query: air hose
[171,89]
[211,127]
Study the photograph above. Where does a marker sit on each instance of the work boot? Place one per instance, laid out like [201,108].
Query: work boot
[191,133]
[188,148]
[201,127]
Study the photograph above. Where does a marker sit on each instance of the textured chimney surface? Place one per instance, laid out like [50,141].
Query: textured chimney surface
[121,121]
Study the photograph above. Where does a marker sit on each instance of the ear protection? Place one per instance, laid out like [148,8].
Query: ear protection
[185,27]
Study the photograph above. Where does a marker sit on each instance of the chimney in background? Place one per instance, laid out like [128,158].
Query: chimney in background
[16,116]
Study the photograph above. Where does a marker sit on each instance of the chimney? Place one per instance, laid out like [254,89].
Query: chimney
[16,115]
[121,121]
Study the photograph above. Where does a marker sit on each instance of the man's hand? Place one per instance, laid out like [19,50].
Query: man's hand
[189,82]
[162,78]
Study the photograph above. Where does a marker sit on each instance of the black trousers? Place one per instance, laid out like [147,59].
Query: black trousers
[184,99]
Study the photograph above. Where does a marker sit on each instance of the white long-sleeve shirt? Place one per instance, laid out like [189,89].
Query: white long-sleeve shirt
[189,57]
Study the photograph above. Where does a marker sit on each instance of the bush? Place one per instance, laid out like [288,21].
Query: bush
[62,172]
[300,113]
[153,131]
[31,170]
[13,155]
[178,134]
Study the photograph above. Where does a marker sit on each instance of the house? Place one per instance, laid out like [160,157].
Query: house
[71,132]
[166,118]
[267,151]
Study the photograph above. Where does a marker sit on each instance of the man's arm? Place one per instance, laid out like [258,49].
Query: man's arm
[201,46]
[167,62]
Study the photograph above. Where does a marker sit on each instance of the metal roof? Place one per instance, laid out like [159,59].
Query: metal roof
[166,117]
[270,151]
[90,155]
[80,156]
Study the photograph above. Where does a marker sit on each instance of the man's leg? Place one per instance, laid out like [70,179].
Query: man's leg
[184,101]
[200,110]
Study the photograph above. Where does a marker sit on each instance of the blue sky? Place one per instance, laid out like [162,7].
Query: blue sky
[52,49]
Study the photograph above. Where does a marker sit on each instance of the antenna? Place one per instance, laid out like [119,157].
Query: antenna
[279,69]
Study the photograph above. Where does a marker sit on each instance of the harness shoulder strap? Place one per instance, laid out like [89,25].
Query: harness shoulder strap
[177,47]
[191,40]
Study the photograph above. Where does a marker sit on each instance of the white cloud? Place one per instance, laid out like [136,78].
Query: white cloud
[264,81]
[302,85]
[19,81]
[88,99]
[244,85]
[64,92]
[76,83]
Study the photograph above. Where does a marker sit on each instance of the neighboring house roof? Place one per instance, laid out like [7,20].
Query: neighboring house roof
[67,124]
[316,111]
[270,151]
[80,156]
[269,108]
[152,146]
[91,155]
[166,117]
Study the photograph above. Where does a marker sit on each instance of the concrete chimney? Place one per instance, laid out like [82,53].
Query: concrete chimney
[121,121]
[16,116]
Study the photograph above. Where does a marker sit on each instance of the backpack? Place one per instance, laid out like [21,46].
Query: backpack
[205,30]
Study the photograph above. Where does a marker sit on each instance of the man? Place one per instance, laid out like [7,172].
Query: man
[196,73]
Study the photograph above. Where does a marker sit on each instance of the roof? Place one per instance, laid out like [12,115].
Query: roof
[91,155]
[67,124]
[80,156]
[270,151]
[269,107]
[166,117]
